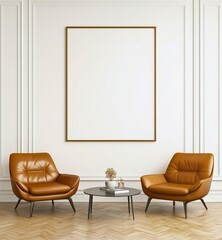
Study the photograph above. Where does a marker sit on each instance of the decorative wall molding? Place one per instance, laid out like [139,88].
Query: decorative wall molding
[188,78]
[4,5]
[8,196]
[211,80]
[20,76]
[111,3]
[31,63]
[196,74]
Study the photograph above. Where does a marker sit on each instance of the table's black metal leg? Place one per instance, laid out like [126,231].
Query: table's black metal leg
[129,204]
[90,205]
[131,198]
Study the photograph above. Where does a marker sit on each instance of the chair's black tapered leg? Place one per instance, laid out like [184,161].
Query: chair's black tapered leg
[185,208]
[17,203]
[72,204]
[31,208]
[174,203]
[148,203]
[201,199]
[53,202]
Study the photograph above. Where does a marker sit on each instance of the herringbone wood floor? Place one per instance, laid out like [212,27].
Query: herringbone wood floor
[110,221]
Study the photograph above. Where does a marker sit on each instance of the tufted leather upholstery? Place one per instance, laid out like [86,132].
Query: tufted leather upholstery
[34,177]
[187,178]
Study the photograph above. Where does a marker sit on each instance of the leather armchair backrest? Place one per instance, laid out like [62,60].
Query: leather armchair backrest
[32,167]
[188,168]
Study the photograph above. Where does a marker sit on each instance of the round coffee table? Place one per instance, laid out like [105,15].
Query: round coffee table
[97,191]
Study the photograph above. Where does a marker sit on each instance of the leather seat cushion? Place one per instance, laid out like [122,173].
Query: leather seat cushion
[47,188]
[170,189]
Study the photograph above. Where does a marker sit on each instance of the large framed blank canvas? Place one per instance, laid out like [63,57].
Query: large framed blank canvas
[110,83]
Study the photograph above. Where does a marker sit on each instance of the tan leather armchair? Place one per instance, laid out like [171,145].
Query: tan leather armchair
[34,177]
[187,178]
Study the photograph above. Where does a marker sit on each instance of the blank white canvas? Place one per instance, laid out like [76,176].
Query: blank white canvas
[110,84]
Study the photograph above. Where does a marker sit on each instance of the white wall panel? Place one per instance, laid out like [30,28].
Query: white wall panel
[210,81]
[10,82]
[174,85]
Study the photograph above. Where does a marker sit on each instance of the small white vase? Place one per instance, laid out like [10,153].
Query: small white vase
[111,184]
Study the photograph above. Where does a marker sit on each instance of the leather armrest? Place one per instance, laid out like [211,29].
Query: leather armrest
[196,186]
[22,186]
[148,180]
[68,179]
[204,182]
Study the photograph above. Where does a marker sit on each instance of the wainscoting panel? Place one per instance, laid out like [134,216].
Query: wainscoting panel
[211,81]
[10,82]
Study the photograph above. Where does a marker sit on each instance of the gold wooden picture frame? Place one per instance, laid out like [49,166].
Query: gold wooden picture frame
[111,83]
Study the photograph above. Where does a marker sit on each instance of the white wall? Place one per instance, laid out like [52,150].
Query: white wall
[32,85]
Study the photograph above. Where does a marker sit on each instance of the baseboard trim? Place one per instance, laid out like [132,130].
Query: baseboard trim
[8,196]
